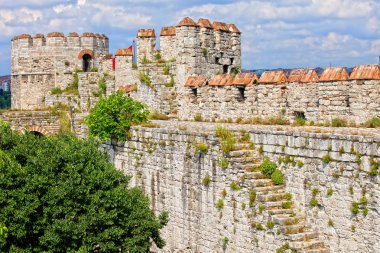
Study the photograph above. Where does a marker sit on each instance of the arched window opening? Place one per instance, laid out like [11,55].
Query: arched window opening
[36,133]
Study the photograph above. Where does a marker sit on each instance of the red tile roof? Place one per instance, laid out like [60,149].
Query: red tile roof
[195,81]
[245,79]
[168,31]
[204,23]
[221,80]
[187,22]
[273,77]
[39,36]
[128,88]
[146,33]
[55,34]
[73,34]
[310,76]
[124,52]
[232,28]
[366,72]
[22,36]
[334,74]
[88,34]
[220,26]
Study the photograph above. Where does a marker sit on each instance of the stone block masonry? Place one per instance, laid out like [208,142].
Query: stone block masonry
[210,206]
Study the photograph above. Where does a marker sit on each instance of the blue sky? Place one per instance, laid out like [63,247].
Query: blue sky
[275,33]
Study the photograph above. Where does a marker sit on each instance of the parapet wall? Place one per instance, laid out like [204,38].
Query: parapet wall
[319,99]
[165,161]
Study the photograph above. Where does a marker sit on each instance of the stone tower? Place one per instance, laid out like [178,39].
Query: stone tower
[41,63]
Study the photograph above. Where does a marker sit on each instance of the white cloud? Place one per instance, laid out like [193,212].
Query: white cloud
[81,3]
[62,8]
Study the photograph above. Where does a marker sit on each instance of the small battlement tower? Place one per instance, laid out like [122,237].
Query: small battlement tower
[41,63]
[198,48]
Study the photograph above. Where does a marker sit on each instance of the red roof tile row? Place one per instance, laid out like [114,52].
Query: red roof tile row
[59,34]
[124,52]
[363,72]
[168,31]
[146,33]
[205,23]
[222,80]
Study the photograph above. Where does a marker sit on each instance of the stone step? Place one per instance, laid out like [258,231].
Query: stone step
[262,182]
[273,204]
[294,229]
[298,245]
[315,250]
[270,197]
[254,175]
[267,189]
[242,146]
[304,236]
[242,166]
[238,153]
[276,211]
[244,159]
[286,221]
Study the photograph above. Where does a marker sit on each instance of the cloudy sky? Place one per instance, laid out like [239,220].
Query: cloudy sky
[276,33]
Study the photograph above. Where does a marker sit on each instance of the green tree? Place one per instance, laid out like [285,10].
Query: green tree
[112,117]
[60,194]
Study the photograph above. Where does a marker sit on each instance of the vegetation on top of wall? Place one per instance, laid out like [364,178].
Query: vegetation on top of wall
[326,158]
[372,123]
[198,117]
[72,88]
[146,79]
[156,115]
[112,117]
[56,91]
[235,70]
[94,69]
[227,140]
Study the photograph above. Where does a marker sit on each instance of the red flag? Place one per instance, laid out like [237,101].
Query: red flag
[113,63]
[130,48]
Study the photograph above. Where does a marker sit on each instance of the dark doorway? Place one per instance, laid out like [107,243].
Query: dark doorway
[38,134]
[241,93]
[225,69]
[87,62]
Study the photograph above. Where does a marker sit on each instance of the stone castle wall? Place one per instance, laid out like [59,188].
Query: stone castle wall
[166,163]
[355,101]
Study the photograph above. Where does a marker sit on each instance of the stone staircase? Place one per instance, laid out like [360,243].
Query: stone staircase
[299,236]
[156,73]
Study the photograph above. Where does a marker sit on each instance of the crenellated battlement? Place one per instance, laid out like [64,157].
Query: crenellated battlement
[205,48]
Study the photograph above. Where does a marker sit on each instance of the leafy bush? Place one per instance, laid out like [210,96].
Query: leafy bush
[56,91]
[287,205]
[219,204]
[330,192]
[267,167]
[94,69]
[288,196]
[223,163]
[202,147]
[112,117]
[277,177]
[234,186]
[313,202]
[166,70]
[299,121]
[206,180]
[252,197]
[326,158]
[198,117]
[157,57]
[61,194]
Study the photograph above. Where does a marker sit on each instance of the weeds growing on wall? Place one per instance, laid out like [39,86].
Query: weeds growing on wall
[227,140]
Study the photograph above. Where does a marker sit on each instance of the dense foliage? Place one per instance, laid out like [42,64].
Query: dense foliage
[5,99]
[60,194]
[268,167]
[112,117]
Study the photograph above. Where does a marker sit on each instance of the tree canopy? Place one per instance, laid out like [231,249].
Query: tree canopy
[61,194]
[113,116]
